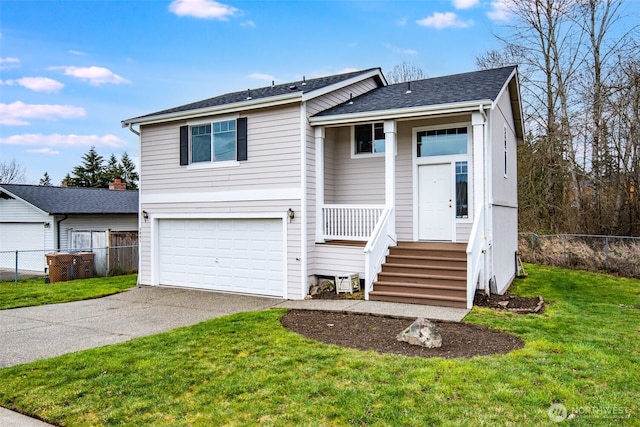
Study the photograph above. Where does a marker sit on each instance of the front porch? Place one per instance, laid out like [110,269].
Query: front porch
[375,199]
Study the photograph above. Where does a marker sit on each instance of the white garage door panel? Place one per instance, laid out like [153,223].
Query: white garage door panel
[27,238]
[235,255]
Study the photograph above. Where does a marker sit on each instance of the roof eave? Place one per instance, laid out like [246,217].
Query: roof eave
[401,113]
[252,104]
[25,201]
[344,83]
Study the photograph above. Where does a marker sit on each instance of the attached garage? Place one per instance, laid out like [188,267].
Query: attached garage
[26,238]
[232,255]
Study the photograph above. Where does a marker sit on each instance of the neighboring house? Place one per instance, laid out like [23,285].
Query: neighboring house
[267,190]
[37,219]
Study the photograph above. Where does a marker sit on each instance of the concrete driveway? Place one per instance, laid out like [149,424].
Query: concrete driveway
[33,333]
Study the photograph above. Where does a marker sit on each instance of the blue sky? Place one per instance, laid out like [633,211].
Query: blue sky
[70,71]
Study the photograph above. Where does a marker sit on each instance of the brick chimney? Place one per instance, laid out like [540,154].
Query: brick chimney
[117,184]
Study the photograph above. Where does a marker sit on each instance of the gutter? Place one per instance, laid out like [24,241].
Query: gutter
[399,113]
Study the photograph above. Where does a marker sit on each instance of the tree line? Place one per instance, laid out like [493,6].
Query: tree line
[579,67]
[93,172]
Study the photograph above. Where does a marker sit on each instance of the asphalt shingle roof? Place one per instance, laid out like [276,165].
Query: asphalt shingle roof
[457,88]
[73,200]
[302,86]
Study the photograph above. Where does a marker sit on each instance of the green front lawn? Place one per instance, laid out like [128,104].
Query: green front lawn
[35,292]
[245,369]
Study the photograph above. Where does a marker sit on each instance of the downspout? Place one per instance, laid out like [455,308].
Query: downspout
[58,231]
[133,130]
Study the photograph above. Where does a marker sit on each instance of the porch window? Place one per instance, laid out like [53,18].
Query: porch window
[442,142]
[369,138]
[462,190]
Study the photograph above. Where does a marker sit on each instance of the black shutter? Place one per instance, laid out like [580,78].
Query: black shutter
[241,129]
[184,145]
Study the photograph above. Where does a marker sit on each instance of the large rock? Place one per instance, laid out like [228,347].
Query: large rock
[422,333]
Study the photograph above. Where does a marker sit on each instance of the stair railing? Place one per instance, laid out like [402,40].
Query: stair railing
[476,249]
[377,249]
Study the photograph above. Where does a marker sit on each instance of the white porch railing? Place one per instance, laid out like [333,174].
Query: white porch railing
[476,250]
[350,222]
[377,249]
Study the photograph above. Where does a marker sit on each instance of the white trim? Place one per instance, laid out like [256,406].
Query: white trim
[399,113]
[319,135]
[356,156]
[290,193]
[504,88]
[303,199]
[23,201]
[438,160]
[212,165]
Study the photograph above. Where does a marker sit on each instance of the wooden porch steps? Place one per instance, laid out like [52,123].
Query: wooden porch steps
[430,273]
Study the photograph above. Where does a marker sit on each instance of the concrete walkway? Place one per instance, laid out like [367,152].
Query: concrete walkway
[33,333]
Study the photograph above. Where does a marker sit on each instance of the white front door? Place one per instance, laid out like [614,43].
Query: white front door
[435,202]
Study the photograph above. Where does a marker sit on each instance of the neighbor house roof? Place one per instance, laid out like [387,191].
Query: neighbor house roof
[74,200]
[250,97]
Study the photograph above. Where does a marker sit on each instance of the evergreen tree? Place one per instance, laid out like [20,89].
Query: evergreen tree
[113,170]
[129,174]
[45,180]
[90,173]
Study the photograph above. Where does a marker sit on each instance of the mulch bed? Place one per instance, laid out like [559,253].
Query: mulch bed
[378,333]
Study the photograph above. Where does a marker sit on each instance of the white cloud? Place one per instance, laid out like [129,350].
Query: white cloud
[249,24]
[261,76]
[48,151]
[77,52]
[53,141]
[96,76]
[36,84]
[500,10]
[444,20]
[208,9]
[18,113]
[404,51]
[6,63]
[465,4]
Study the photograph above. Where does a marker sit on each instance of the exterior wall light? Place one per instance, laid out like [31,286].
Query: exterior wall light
[145,215]
[291,214]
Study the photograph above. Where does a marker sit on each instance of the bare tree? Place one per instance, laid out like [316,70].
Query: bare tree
[11,172]
[566,51]
[405,72]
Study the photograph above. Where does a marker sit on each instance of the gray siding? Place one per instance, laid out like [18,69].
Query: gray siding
[332,260]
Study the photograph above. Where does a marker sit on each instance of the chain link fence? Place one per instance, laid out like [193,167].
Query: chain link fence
[69,264]
[612,254]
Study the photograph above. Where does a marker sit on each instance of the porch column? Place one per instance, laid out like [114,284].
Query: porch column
[390,150]
[319,135]
[479,164]
[480,170]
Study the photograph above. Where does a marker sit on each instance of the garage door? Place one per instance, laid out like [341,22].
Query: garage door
[26,238]
[235,255]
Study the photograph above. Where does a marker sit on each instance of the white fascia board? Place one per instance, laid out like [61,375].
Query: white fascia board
[401,113]
[504,87]
[216,110]
[327,89]
[293,193]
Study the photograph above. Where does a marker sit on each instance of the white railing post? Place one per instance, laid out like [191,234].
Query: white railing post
[476,253]
[390,130]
